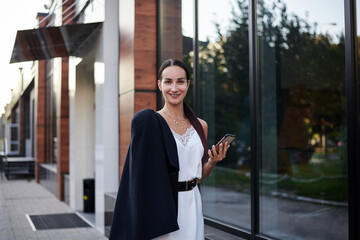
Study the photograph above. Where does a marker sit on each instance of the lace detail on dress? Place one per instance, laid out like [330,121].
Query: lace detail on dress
[186,136]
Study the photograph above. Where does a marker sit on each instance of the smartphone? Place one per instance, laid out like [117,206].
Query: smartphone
[227,138]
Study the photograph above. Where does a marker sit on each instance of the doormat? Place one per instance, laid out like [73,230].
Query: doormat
[56,221]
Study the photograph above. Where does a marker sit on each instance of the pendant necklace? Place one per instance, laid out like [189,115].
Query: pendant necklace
[177,123]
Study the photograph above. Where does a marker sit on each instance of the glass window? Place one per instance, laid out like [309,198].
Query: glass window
[176,34]
[224,105]
[302,103]
[14,138]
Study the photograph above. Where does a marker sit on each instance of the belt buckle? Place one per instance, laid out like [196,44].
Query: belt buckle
[190,184]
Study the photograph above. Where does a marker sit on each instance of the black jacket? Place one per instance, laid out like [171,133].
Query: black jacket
[146,205]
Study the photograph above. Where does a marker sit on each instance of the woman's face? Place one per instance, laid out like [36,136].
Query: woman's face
[173,85]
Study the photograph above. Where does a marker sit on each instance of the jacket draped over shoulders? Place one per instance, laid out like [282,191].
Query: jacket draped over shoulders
[146,205]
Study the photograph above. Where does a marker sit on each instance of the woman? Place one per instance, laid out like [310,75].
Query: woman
[158,197]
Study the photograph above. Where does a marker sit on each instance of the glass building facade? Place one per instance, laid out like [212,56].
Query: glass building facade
[280,74]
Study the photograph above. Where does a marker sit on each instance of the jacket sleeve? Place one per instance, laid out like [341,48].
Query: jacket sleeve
[145,206]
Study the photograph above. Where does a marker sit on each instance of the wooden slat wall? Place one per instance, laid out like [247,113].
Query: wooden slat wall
[40,112]
[137,77]
[63,129]
[62,124]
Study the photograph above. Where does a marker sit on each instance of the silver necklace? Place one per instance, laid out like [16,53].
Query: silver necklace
[181,126]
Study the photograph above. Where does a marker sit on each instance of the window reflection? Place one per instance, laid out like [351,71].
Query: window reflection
[176,34]
[302,126]
[224,79]
[303,177]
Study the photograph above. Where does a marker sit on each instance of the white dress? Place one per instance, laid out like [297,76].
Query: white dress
[190,216]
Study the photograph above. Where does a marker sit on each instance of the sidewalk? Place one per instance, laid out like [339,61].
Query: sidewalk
[21,197]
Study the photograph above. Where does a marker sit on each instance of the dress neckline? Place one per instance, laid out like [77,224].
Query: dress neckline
[173,131]
[188,130]
[184,138]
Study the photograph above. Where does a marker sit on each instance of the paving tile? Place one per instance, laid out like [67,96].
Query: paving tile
[21,197]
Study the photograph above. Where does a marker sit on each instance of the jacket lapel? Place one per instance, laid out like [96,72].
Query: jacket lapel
[169,141]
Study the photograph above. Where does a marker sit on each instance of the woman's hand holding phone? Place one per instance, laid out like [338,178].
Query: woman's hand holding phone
[218,152]
[216,157]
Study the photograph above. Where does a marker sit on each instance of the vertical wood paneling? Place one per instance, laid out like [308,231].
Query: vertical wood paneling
[40,110]
[145,71]
[40,119]
[145,45]
[145,100]
[68,13]
[137,65]
[63,129]
[126,104]
[62,123]
[60,193]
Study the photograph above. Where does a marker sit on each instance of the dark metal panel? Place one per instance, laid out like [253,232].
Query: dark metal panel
[253,69]
[196,60]
[51,42]
[53,37]
[27,44]
[158,53]
[352,118]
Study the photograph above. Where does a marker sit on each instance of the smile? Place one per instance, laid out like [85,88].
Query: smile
[174,95]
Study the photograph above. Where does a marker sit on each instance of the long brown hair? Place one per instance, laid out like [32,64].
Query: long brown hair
[189,113]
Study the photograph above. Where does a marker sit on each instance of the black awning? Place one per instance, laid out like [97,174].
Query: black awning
[51,42]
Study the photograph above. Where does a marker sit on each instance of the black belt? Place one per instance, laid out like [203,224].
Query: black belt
[187,185]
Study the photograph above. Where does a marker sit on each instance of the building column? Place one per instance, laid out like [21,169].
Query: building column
[63,113]
[106,73]
[138,65]
[82,133]
[40,89]
[63,129]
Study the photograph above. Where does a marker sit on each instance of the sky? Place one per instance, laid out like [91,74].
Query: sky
[14,15]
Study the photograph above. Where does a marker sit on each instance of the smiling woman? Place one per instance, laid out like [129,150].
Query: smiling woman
[174,85]
[170,142]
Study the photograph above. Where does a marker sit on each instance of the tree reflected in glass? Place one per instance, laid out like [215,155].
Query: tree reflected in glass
[301,110]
